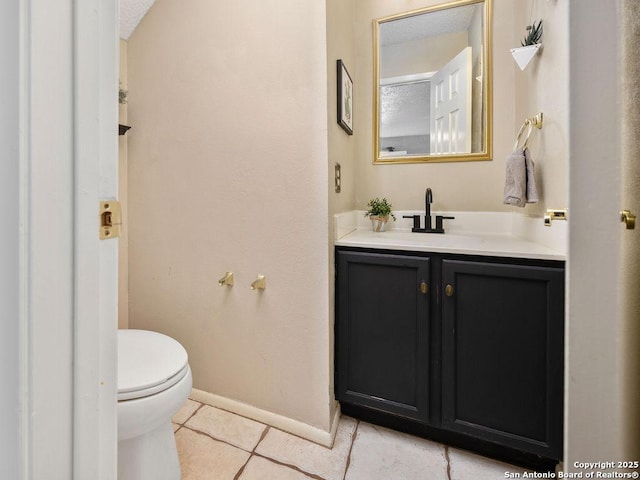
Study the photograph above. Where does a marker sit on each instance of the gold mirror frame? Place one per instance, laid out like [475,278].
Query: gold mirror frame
[487,99]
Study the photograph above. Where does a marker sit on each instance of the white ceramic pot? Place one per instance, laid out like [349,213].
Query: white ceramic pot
[378,223]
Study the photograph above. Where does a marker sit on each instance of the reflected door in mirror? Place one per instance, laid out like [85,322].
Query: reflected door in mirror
[451,106]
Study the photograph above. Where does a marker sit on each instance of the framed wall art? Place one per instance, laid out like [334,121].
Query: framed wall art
[345,98]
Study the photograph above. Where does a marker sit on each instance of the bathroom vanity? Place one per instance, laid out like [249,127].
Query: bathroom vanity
[459,340]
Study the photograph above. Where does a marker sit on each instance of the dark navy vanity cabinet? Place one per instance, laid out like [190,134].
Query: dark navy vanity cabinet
[384,333]
[466,350]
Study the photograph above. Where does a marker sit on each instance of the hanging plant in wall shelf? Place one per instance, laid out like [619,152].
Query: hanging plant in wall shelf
[122,99]
[529,46]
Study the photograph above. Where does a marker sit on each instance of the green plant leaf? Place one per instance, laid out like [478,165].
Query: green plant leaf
[379,207]
[534,34]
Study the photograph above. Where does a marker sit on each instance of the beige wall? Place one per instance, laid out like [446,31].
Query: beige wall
[341,45]
[341,146]
[123,241]
[544,87]
[475,185]
[228,171]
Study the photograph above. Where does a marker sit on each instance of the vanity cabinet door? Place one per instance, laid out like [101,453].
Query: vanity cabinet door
[382,326]
[502,354]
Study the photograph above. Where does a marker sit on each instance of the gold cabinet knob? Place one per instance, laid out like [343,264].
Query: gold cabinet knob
[448,290]
[628,218]
[424,288]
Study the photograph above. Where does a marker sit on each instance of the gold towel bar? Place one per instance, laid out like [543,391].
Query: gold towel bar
[529,122]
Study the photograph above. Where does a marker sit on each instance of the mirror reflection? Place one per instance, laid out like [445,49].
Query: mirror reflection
[433,78]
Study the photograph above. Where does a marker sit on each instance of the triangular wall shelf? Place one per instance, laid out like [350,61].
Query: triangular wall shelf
[523,55]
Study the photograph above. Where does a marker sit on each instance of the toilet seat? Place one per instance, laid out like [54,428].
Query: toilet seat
[148,363]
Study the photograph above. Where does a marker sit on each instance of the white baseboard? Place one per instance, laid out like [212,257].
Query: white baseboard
[280,422]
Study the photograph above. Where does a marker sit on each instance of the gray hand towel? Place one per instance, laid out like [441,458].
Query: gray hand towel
[515,184]
[520,183]
[532,191]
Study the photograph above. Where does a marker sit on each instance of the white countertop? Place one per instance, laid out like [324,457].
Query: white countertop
[499,242]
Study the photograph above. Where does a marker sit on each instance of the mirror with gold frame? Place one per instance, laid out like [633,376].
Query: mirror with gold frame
[432,72]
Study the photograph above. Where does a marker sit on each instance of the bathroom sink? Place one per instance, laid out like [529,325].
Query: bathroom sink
[471,233]
[495,245]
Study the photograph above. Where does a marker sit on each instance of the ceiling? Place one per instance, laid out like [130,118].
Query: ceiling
[427,24]
[436,23]
[131,12]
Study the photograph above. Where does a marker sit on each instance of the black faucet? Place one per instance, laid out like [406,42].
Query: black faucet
[428,200]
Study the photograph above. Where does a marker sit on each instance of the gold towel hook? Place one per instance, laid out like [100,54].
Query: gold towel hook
[260,283]
[226,280]
[531,122]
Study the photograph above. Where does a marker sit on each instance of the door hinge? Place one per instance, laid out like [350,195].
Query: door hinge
[110,219]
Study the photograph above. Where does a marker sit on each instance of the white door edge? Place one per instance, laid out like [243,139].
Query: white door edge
[68,295]
[95,260]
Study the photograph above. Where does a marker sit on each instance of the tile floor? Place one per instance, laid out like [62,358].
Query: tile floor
[217,445]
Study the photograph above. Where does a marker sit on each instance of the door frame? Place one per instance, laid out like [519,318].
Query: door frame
[599,409]
[68,277]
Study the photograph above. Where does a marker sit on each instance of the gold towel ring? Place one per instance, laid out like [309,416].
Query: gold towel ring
[529,122]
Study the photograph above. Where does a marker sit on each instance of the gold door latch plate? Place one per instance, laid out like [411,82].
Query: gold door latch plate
[628,218]
[110,219]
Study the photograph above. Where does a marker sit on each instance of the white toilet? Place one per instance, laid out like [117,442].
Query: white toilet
[154,380]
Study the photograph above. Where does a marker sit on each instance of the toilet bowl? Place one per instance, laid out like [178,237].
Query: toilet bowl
[154,380]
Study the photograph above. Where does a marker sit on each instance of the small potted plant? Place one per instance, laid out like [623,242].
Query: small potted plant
[534,34]
[529,46]
[379,213]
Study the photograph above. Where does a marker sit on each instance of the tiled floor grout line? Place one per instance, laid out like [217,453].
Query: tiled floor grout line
[264,434]
[193,429]
[237,475]
[293,467]
[254,453]
[251,453]
[180,425]
[194,412]
[353,439]
[446,455]
[200,432]
[262,437]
